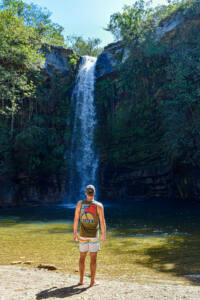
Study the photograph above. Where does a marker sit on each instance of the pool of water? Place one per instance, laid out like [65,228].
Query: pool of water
[156,240]
[160,215]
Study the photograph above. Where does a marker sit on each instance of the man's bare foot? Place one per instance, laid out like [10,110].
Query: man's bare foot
[80,283]
[93,283]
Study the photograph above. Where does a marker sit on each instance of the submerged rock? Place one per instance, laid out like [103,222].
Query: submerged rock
[28,262]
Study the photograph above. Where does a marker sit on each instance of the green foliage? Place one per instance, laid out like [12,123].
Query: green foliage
[19,44]
[130,24]
[37,19]
[33,106]
[84,47]
[182,108]
[73,60]
[6,164]
[137,23]
[149,109]
[18,57]
[29,149]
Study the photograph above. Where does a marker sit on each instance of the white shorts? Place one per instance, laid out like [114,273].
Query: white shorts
[89,244]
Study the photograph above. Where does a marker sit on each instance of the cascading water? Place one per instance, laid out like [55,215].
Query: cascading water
[83,158]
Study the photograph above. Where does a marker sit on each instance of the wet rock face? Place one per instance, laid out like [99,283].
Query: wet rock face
[17,194]
[134,184]
[187,183]
[108,61]
[155,182]
[57,60]
[105,64]
[6,192]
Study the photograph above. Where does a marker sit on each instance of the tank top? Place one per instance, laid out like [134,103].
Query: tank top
[89,219]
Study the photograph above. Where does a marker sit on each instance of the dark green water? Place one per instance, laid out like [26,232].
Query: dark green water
[161,216]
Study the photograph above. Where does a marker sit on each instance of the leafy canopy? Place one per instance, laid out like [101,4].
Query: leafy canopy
[84,47]
[36,18]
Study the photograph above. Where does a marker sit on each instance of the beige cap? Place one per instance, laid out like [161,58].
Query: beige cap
[90,189]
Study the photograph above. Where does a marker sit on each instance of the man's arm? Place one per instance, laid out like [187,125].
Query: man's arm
[76,220]
[102,222]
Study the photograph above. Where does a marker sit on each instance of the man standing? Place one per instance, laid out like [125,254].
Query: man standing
[90,212]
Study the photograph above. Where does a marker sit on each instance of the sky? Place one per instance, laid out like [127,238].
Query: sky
[85,17]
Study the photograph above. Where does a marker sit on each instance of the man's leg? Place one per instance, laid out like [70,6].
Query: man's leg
[93,266]
[82,265]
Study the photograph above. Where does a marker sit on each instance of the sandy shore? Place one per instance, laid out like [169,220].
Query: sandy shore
[18,283]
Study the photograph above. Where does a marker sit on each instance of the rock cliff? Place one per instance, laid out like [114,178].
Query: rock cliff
[57,60]
[56,79]
[135,169]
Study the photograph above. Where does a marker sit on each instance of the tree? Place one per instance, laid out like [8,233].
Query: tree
[84,47]
[137,23]
[33,105]
[129,24]
[36,18]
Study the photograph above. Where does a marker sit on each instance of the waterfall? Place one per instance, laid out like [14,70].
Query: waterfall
[83,157]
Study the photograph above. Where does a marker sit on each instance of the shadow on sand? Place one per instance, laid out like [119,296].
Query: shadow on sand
[61,292]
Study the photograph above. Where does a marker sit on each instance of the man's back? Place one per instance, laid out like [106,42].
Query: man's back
[89,219]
